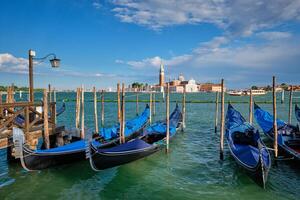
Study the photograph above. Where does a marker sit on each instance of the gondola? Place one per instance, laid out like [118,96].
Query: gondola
[246,146]
[297,112]
[151,141]
[75,149]
[288,135]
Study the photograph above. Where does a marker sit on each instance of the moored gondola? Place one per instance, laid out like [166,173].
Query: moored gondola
[75,150]
[288,135]
[246,146]
[152,140]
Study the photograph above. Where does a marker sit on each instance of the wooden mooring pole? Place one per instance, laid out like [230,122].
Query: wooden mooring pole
[54,95]
[154,105]
[137,104]
[167,117]
[290,105]
[150,105]
[102,108]
[123,114]
[46,125]
[217,112]
[183,109]
[282,96]
[78,101]
[82,133]
[222,121]
[119,104]
[275,118]
[251,107]
[95,110]
[50,94]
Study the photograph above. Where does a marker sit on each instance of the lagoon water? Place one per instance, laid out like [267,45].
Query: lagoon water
[192,169]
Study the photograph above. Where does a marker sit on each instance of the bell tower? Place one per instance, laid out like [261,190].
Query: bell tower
[161,75]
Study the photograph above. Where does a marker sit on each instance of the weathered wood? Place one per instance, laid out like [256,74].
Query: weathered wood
[54,95]
[222,121]
[31,92]
[275,118]
[123,112]
[82,133]
[168,116]
[102,108]
[251,107]
[20,104]
[50,95]
[53,115]
[217,112]
[95,111]
[282,96]
[154,105]
[183,108]
[137,104]
[1,109]
[150,105]
[78,101]
[290,105]
[119,106]
[46,128]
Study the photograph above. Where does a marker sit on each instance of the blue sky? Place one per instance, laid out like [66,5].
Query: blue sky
[103,42]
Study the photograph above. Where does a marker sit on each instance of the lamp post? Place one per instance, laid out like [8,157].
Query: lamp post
[55,62]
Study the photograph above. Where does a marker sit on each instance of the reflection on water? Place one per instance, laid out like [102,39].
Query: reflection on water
[192,170]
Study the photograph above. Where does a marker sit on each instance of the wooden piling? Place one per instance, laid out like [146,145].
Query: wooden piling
[275,118]
[46,125]
[154,105]
[53,115]
[167,117]
[119,103]
[1,109]
[95,110]
[282,96]
[54,95]
[82,113]
[137,104]
[222,121]
[78,101]
[123,113]
[290,105]
[251,107]
[150,105]
[50,94]
[183,108]
[102,108]
[217,112]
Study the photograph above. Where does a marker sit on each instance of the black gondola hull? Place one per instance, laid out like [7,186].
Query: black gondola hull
[101,161]
[38,161]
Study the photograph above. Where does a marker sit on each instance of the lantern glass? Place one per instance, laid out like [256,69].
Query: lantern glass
[55,62]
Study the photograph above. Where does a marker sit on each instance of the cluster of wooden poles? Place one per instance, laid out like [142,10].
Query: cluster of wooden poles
[222,125]
[121,110]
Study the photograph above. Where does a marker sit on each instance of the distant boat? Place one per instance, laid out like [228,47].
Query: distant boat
[246,146]
[74,151]
[150,142]
[288,135]
[235,93]
[256,92]
[297,112]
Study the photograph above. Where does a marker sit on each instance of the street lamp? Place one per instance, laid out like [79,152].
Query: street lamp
[55,62]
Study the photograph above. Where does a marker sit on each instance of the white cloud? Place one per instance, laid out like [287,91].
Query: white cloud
[274,35]
[96,4]
[234,16]
[10,63]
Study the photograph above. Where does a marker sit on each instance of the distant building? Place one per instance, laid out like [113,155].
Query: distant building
[210,87]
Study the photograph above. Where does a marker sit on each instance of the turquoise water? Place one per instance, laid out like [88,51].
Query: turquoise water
[192,169]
